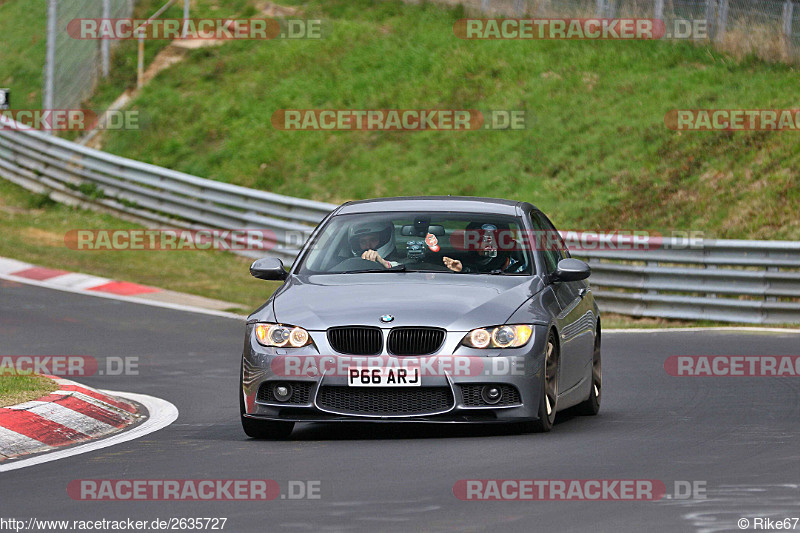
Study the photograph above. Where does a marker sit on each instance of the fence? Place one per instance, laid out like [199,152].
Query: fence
[72,66]
[771,27]
[725,280]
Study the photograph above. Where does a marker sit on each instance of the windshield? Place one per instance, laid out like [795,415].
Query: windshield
[461,243]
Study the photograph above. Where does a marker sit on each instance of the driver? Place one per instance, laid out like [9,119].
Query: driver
[488,257]
[374,241]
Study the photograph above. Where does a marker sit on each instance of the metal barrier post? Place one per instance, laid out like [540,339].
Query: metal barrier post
[140,63]
[185,18]
[105,44]
[50,65]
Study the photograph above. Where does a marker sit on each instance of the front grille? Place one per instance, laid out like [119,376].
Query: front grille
[415,341]
[472,395]
[356,340]
[385,401]
[301,392]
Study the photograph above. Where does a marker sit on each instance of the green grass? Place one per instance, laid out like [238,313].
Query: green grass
[596,154]
[24,40]
[21,388]
[33,229]
[22,37]
[123,70]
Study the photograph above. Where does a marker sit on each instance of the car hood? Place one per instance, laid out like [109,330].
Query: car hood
[457,302]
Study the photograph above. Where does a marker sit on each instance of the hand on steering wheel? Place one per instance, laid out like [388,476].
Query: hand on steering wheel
[372,255]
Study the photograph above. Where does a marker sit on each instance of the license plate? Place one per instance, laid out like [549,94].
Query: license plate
[383,377]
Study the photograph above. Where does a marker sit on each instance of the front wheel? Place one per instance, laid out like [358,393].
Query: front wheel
[549,396]
[591,406]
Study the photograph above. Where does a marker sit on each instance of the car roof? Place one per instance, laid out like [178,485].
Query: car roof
[468,204]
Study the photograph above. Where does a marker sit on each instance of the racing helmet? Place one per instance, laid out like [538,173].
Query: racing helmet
[383,228]
[489,233]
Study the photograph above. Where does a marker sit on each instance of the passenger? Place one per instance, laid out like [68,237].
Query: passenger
[488,258]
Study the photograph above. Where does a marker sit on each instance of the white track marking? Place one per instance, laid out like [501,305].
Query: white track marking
[162,413]
[8,266]
[96,402]
[735,329]
[74,420]
[78,281]
[13,443]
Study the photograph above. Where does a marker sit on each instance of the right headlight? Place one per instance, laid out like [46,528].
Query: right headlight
[507,336]
[279,335]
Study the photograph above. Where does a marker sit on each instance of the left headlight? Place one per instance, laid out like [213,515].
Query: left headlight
[507,336]
[280,335]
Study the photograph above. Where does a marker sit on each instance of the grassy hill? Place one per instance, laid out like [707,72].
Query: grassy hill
[595,155]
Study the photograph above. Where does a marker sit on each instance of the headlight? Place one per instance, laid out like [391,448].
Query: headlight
[278,335]
[499,337]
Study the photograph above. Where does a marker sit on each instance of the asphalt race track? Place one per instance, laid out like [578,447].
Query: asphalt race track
[738,435]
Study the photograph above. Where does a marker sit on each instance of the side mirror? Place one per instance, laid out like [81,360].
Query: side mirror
[572,270]
[269,268]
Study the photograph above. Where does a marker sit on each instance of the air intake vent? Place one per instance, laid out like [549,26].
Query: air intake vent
[356,340]
[301,392]
[415,341]
[472,395]
[381,401]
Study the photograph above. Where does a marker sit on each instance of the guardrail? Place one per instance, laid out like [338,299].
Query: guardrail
[151,195]
[721,280]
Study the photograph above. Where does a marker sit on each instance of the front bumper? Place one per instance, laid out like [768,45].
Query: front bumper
[450,387]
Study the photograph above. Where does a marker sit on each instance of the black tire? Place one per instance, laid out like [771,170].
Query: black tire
[263,429]
[591,406]
[549,398]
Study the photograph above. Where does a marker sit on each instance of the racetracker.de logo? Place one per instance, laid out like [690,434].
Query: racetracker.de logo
[170,239]
[199,28]
[67,120]
[68,365]
[398,119]
[173,489]
[733,119]
[559,489]
[409,369]
[560,28]
[510,240]
[733,365]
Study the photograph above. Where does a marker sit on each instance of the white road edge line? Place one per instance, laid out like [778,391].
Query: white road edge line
[132,299]
[737,329]
[161,414]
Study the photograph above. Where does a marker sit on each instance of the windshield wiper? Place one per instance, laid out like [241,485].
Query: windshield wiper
[398,268]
